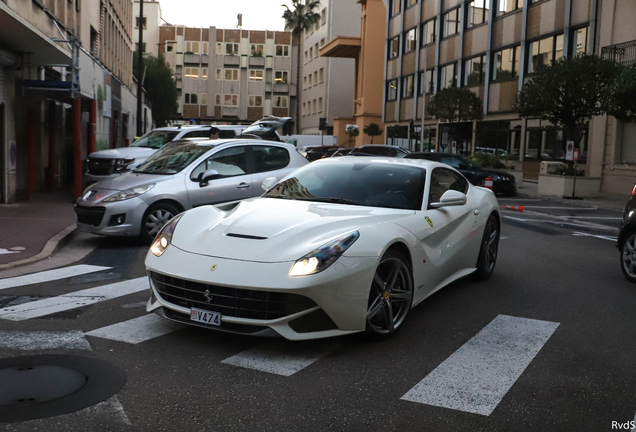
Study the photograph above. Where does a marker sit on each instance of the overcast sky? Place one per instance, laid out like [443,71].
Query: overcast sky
[257,14]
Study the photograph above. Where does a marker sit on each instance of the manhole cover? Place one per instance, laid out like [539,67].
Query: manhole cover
[42,386]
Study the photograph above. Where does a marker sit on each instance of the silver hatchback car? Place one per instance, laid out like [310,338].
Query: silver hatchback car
[180,176]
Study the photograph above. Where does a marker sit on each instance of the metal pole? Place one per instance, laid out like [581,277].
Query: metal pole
[140,63]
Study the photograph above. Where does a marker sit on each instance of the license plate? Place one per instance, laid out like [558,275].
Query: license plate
[83,227]
[205,316]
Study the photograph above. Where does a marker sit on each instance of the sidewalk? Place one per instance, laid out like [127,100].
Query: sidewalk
[613,202]
[31,231]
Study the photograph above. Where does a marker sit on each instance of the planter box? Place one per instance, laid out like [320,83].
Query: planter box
[561,186]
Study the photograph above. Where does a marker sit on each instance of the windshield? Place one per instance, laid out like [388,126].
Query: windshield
[155,139]
[380,151]
[172,159]
[458,162]
[355,182]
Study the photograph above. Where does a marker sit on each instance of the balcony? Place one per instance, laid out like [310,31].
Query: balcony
[232,60]
[229,111]
[281,88]
[257,61]
[622,53]
[205,59]
[191,58]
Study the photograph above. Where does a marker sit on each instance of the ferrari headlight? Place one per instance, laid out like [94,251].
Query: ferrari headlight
[130,193]
[164,238]
[321,258]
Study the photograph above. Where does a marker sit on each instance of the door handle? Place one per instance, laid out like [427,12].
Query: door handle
[243,185]
[476,212]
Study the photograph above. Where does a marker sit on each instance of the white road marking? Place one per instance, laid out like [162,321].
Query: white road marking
[137,330]
[560,208]
[7,251]
[73,300]
[477,376]
[518,199]
[43,340]
[281,358]
[50,275]
[523,220]
[580,234]
[590,217]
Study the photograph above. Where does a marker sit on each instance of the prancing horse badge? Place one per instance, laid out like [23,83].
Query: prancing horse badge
[214,266]
[430,222]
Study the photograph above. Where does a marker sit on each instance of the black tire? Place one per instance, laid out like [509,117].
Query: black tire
[628,257]
[390,296]
[488,251]
[155,218]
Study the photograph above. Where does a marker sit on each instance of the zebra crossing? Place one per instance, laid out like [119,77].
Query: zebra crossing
[474,379]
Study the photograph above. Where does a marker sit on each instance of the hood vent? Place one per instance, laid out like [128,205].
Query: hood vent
[245,236]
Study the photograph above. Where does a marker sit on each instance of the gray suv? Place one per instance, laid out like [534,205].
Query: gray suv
[182,175]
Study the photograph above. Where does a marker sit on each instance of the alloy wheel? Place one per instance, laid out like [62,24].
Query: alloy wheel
[629,256]
[156,219]
[491,245]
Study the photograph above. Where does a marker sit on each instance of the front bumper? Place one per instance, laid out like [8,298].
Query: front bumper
[335,300]
[504,187]
[104,218]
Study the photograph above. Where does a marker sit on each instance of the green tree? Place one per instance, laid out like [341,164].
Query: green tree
[373,130]
[455,105]
[569,92]
[160,87]
[300,18]
[623,104]
[352,131]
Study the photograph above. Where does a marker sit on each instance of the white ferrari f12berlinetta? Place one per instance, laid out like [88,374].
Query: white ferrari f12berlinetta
[339,246]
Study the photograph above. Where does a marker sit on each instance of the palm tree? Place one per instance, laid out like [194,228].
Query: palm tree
[297,20]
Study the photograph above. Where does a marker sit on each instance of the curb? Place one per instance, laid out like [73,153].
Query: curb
[58,240]
[577,203]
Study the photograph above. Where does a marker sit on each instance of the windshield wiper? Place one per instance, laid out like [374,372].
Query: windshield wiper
[334,200]
[280,197]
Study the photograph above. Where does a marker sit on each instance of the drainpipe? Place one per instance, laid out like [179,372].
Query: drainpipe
[31,128]
[52,147]
[77,147]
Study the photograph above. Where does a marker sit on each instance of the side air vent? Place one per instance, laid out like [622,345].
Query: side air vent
[245,236]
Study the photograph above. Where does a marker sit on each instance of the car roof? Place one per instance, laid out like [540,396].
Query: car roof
[421,163]
[198,127]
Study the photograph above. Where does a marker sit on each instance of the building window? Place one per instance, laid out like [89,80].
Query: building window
[280,77]
[408,86]
[256,75]
[429,29]
[311,53]
[391,90]
[313,105]
[544,51]
[448,76]
[143,47]
[256,101]
[309,76]
[474,70]
[230,100]
[219,48]
[506,64]
[322,42]
[170,46]
[319,105]
[410,40]
[579,41]
[280,101]
[316,50]
[205,48]
[231,49]
[321,75]
[501,138]
[306,57]
[192,47]
[191,99]
[143,21]
[304,113]
[426,81]
[219,74]
[394,7]
[192,73]
[450,23]
[304,82]
[315,77]
[477,12]
[256,50]
[204,98]
[231,74]
[409,3]
[507,6]
[282,50]
[394,47]
[204,75]
[323,16]
[217,100]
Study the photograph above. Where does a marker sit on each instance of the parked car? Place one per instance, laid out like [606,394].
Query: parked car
[105,164]
[319,152]
[627,239]
[339,246]
[342,152]
[265,129]
[503,183]
[379,150]
[180,176]
[330,152]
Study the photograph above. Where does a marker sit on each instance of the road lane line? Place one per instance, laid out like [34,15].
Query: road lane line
[580,234]
[43,340]
[518,199]
[560,208]
[137,330]
[477,376]
[78,299]
[281,357]
[50,275]
[590,217]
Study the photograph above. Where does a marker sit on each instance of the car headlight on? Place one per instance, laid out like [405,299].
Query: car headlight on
[164,238]
[130,193]
[321,258]
[121,164]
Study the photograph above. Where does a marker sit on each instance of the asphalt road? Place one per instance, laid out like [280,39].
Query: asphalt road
[557,264]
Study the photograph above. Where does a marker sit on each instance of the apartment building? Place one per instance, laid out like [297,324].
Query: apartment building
[65,89]
[492,48]
[231,75]
[151,23]
[328,83]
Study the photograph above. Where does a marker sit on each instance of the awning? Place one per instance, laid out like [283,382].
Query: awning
[342,47]
[18,35]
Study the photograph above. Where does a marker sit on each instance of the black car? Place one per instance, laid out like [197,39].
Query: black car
[341,152]
[503,182]
[316,153]
[379,150]
[627,239]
